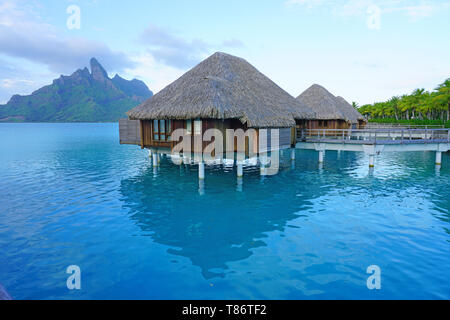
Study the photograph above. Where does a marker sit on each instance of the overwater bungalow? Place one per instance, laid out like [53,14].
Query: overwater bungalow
[222,92]
[331,112]
[356,118]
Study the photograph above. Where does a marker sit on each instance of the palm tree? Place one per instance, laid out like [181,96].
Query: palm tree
[415,100]
[443,97]
[393,102]
[426,105]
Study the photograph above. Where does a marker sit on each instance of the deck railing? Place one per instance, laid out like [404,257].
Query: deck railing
[401,126]
[375,136]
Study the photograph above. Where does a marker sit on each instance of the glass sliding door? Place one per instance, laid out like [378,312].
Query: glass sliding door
[189,127]
[197,127]
[156,130]
[162,130]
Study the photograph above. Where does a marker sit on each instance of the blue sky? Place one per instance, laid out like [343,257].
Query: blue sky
[363,50]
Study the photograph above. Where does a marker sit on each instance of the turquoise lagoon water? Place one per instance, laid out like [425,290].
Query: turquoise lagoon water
[71,195]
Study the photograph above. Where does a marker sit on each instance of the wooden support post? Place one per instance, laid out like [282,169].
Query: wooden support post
[240,169]
[438,158]
[321,155]
[263,162]
[371,160]
[201,170]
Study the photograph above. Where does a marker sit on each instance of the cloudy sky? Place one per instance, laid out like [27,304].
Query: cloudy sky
[364,50]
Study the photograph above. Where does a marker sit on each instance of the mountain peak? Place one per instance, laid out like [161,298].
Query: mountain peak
[81,97]
[98,72]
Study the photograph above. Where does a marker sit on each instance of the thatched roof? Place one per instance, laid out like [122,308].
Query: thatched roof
[354,114]
[224,87]
[327,106]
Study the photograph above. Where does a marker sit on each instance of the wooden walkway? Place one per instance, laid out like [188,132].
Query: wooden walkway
[375,136]
[374,141]
[401,126]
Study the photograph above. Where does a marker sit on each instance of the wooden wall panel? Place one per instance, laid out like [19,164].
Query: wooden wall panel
[141,131]
[147,133]
[285,137]
[129,132]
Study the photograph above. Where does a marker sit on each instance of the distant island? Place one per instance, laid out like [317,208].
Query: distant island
[82,97]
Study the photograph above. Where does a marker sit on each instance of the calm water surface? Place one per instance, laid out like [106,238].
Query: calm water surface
[71,195]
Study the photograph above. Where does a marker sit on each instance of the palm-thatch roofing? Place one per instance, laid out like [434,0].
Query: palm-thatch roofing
[224,87]
[327,106]
[352,112]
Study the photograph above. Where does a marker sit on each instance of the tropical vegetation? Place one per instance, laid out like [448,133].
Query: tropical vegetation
[419,107]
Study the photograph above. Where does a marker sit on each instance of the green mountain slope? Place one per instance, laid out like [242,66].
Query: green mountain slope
[82,97]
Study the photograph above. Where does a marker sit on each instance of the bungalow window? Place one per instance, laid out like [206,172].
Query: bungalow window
[162,130]
[323,123]
[189,127]
[156,130]
[169,130]
[197,127]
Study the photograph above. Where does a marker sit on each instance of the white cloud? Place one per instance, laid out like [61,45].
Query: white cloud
[11,83]
[17,76]
[33,52]
[23,34]
[233,43]
[155,75]
[415,12]
[415,9]
[169,48]
[308,3]
[374,17]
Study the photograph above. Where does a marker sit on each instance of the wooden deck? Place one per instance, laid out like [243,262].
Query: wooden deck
[129,132]
[375,136]
[374,141]
[402,126]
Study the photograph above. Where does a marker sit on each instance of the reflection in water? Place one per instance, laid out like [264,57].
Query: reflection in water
[201,187]
[213,231]
[239,184]
[213,226]
[320,168]
[438,170]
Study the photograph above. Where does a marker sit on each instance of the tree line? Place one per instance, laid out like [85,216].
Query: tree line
[419,105]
